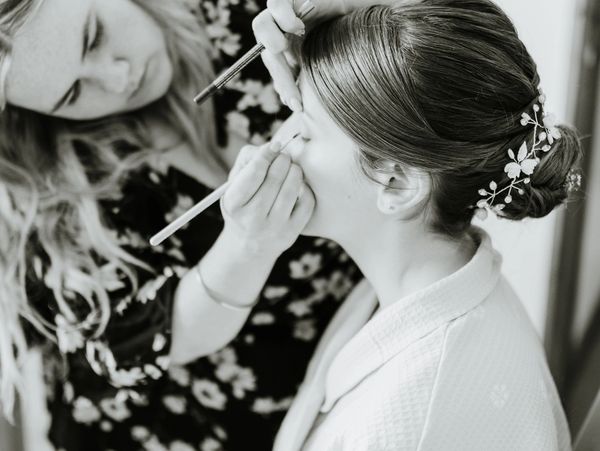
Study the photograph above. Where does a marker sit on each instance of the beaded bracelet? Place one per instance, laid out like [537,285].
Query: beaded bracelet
[217,298]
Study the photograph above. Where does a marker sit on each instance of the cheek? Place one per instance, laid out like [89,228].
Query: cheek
[139,39]
[134,34]
[330,171]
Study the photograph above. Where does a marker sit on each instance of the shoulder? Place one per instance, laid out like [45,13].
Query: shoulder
[493,389]
[388,409]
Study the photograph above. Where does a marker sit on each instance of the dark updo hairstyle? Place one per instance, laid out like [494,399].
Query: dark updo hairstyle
[439,85]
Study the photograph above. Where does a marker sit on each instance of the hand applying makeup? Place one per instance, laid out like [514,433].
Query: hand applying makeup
[268,204]
[272,24]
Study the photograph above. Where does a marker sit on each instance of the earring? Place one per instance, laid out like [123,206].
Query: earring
[388,207]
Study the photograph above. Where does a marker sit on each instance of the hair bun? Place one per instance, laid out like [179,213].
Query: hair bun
[551,181]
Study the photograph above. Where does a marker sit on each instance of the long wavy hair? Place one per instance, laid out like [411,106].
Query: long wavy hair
[49,190]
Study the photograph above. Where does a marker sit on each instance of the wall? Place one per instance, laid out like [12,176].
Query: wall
[588,295]
[547,29]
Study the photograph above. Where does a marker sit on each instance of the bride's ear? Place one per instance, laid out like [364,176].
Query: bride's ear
[403,192]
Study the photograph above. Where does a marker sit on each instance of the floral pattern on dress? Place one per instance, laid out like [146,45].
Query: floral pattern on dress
[119,391]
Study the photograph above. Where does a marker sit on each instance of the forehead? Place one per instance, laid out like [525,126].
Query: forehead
[46,53]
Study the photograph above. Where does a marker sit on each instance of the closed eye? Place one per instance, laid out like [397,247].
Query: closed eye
[96,43]
[75,93]
[98,37]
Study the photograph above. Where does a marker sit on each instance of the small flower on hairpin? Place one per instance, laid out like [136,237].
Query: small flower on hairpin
[552,132]
[481,214]
[573,181]
[520,163]
[524,162]
[542,97]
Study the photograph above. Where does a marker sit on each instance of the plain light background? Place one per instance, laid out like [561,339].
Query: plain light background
[547,27]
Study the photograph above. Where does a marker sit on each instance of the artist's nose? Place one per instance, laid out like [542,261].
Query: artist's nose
[111,74]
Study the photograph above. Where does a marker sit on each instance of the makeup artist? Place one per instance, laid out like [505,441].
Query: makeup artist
[201,342]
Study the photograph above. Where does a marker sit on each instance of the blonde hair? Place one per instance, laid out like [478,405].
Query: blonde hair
[49,193]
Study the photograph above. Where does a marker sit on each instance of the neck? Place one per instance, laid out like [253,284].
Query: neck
[399,263]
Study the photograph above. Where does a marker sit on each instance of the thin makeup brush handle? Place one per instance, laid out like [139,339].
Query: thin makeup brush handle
[189,215]
[186,217]
[223,79]
[246,59]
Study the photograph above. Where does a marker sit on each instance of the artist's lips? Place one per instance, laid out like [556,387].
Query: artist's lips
[139,84]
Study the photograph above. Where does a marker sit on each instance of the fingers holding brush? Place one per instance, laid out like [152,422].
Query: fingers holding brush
[286,18]
[284,80]
[304,208]
[270,28]
[248,173]
[271,25]
[266,203]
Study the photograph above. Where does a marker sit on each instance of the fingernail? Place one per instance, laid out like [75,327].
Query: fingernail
[301,28]
[295,105]
[302,190]
[306,6]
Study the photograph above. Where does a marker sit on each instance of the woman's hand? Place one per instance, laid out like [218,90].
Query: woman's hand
[270,28]
[265,208]
[279,18]
[267,204]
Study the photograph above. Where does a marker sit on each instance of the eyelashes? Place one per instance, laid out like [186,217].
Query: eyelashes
[100,35]
[96,43]
[304,133]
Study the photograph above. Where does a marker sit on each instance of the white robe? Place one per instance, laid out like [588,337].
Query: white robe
[455,366]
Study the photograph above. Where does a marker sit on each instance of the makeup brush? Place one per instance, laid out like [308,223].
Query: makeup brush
[186,217]
[306,8]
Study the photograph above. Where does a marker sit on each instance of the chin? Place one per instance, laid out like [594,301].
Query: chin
[316,228]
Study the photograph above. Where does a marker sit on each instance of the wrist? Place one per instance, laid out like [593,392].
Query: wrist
[233,273]
[243,249]
[218,298]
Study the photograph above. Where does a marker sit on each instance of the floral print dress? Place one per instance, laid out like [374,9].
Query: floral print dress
[119,391]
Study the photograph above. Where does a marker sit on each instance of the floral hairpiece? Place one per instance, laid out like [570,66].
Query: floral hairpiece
[573,180]
[524,162]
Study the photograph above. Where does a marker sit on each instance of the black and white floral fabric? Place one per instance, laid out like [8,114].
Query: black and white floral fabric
[119,391]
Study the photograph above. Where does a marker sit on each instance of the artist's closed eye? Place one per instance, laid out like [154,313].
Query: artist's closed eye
[95,44]
[99,36]
[75,92]
[71,97]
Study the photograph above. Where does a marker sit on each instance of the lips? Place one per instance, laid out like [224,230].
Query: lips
[137,85]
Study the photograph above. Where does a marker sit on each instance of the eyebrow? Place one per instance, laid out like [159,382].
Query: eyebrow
[86,40]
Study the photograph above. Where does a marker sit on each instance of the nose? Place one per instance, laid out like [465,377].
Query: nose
[112,75]
[294,148]
[303,130]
